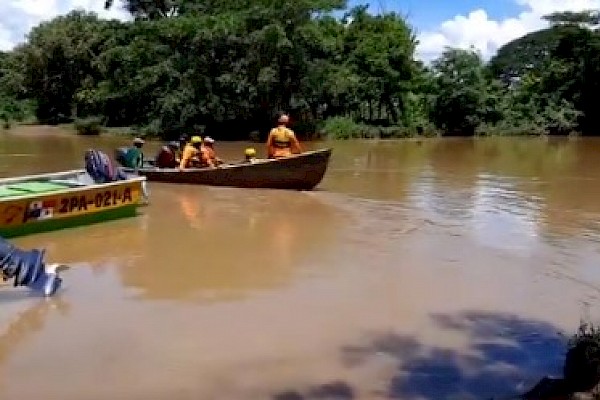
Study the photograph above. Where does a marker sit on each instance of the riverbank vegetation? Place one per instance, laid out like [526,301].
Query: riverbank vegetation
[581,370]
[228,67]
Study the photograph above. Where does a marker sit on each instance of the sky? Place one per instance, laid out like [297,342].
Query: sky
[484,24]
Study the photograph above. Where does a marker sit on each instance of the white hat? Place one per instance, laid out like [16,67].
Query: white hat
[208,139]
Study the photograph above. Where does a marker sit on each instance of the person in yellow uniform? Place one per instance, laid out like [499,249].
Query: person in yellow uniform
[192,155]
[183,141]
[282,141]
[208,151]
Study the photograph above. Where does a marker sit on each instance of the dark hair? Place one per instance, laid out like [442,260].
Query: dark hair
[280,114]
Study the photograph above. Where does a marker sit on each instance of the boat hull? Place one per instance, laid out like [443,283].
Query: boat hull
[42,203]
[298,172]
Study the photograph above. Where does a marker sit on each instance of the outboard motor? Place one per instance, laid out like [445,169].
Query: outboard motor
[28,268]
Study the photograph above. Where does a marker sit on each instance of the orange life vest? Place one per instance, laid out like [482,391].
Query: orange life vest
[282,137]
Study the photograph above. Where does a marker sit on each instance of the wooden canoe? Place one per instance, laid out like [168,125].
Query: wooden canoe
[46,202]
[297,172]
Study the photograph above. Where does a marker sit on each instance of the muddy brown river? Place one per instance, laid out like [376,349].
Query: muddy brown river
[433,269]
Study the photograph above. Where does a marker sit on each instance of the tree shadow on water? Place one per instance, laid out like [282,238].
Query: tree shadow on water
[336,390]
[505,356]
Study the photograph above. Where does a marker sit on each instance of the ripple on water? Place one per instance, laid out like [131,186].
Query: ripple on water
[429,274]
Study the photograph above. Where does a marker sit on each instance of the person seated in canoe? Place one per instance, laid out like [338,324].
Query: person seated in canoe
[167,156]
[282,141]
[132,157]
[194,156]
[183,141]
[250,155]
[208,148]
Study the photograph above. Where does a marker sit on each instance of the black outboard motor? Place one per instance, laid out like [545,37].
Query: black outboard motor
[28,268]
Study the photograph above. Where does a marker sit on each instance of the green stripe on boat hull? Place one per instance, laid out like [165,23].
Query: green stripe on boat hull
[69,222]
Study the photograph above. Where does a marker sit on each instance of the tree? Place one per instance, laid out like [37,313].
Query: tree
[573,74]
[529,53]
[229,66]
[588,18]
[461,92]
[59,60]
[148,9]
[381,50]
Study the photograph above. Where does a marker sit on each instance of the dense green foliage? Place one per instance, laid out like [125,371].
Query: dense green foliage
[582,362]
[229,67]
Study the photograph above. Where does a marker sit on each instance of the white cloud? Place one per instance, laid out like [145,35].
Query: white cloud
[17,17]
[487,35]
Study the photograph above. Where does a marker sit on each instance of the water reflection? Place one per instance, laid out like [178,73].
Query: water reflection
[503,217]
[190,207]
[92,245]
[23,324]
[376,170]
[224,243]
[275,282]
[546,186]
[447,187]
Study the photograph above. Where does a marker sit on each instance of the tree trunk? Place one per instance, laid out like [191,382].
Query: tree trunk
[393,113]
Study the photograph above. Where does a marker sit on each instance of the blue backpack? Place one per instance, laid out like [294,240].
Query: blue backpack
[100,167]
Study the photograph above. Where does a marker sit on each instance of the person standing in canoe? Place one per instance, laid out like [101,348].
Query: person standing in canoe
[282,141]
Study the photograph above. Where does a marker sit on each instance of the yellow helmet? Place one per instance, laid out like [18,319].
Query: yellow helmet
[250,152]
[196,139]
